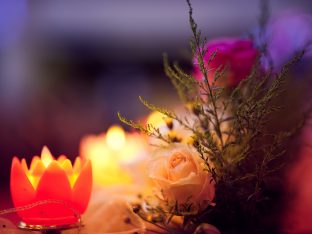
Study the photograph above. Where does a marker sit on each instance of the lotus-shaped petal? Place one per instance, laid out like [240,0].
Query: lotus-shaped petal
[51,180]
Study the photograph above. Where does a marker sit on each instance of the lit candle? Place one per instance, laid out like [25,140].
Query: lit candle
[111,154]
[50,179]
[126,147]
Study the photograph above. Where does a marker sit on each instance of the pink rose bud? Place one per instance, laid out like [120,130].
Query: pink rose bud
[236,55]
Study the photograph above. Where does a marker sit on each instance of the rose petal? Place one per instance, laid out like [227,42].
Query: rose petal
[183,193]
[192,178]
[158,168]
[82,188]
[181,165]
[187,183]
[242,45]
[238,55]
[208,189]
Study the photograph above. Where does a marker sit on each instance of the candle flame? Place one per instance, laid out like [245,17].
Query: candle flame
[46,156]
[116,137]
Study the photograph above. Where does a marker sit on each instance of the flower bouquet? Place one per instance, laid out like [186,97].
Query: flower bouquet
[225,173]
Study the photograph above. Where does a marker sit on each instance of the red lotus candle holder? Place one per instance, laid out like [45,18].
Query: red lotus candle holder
[48,179]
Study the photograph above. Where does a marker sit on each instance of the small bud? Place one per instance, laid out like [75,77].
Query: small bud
[173,137]
[190,141]
[157,218]
[149,218]
[169,123]
[196,109]
[127,220]
[204,123]
[195,143]
[136,208]
[189,106]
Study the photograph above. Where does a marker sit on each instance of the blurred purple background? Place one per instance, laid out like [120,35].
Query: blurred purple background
[67,67]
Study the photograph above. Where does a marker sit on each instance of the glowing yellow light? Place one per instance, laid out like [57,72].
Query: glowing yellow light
[115,138]
[105,161]
[46,156]
[68,168]
[156,119]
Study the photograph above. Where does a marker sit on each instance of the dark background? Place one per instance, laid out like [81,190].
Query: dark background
[67,67]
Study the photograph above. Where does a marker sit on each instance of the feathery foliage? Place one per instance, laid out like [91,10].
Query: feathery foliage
[230,131]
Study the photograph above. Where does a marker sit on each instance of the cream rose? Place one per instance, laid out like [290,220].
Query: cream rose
[179,176]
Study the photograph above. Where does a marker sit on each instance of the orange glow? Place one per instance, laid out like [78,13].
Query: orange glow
[106,169]
[110,153]
[50,179]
